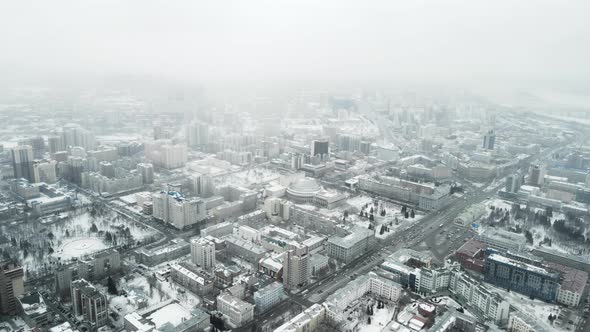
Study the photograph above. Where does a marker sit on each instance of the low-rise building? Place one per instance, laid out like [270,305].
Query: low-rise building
[269,296]
[191,280]
[245,249]
[372,283]
[351,246]
[34,310]
[307,321]
[176,248]
[235,311]
[488,304]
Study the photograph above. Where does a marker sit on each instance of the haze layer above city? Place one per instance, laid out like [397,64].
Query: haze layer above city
[294,166]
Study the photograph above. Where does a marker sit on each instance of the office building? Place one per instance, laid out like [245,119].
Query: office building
[247,250]
[11,287]
[320,148]
[502,240]
[295,266]
[191,280]
[351,246]
[424,195]
[489,139]
[33,310]
[174,249]
[203,253]
[235,311]
[268,297]
[513,183]
[89,302]
[22,162]
[522,277]
[537,174]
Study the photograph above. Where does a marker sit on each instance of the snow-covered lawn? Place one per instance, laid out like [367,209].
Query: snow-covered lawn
[392,212]
[38,246]
[79,246]
[379,320]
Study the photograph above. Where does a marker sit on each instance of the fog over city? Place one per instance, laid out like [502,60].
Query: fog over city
[294,166]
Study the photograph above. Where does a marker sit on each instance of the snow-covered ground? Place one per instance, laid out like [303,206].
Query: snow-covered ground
[38,246]
[393,212]
[80,246]
[538,309]
[141,294]
[379,320]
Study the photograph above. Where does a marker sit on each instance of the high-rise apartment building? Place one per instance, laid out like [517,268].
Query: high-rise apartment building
[147,172]
[56,143]
[537,175]
[489,139]
[165,154]
[203,253]
[38,145]
[197,134]
[45,171]
[22,162]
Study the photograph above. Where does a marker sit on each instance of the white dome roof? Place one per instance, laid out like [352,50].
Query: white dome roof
[305,186]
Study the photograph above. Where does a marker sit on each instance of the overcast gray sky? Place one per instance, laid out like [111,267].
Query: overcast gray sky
[462,40]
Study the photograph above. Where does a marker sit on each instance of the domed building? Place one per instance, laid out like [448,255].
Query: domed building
[308,191]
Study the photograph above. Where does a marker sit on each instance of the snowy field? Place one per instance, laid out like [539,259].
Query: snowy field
[379,320]
[392,213]
[39,246]
[79,246]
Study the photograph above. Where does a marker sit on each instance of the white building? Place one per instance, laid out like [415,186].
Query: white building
[433,280]
[520,322]
[378,286]
[234,310]
[491,305]
[296,266]
[165,154]
[203,253]
[172,207]
[44,171]
[269,296]
[351,246]
[248,233]
[307,321]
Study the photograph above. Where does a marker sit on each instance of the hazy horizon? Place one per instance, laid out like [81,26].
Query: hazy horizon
[532,44]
